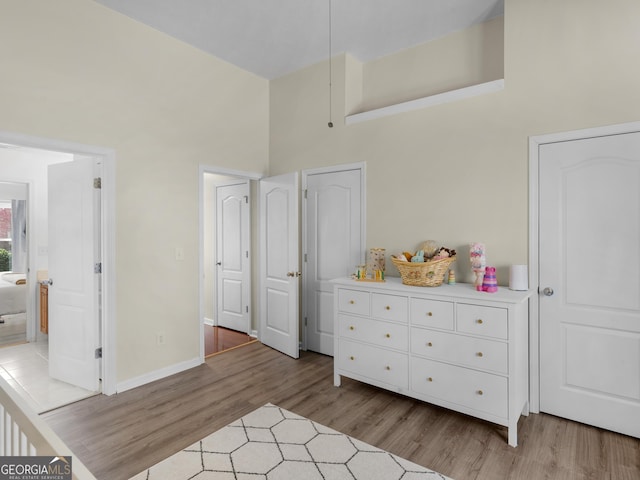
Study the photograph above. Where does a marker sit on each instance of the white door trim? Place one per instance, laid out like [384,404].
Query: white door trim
[363,224]
[202,170]
[534,312]
[108,236]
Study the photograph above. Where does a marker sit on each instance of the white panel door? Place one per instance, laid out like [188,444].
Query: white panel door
[590,281]
[232,245]
[333,244]
[279,263]
[74,332]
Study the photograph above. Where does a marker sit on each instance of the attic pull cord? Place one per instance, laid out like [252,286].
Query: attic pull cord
[330,124]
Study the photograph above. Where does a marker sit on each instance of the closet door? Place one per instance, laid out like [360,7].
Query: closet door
[589,251]
[333,245]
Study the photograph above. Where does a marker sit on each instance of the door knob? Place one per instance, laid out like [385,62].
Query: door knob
[218,263]
[48,281]
[294,274]
[548,291]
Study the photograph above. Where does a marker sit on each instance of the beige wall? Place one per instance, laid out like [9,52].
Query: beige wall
[461,59]
[458,172]
[75,71]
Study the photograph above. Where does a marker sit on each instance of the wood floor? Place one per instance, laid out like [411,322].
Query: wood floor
[219,339]
[119,436]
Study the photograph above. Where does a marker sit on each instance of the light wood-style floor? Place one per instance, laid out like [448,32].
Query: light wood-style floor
[119,436]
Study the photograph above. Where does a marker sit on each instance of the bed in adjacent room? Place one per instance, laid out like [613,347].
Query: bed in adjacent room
[13,293]
[13,306]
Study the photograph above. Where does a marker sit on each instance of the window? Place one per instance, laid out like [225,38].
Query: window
[5,236]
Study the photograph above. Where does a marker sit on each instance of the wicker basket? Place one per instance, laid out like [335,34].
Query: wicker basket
[423,274]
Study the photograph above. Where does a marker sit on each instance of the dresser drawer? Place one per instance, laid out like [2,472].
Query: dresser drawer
[389,307]
[467,351]
[385,334]
[432,313]
[353,301]
[373,362]
[476,390]
[484,321]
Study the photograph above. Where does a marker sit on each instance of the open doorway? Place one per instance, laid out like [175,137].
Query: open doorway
[25,160]
[277,319]
[226,206]
[13,263]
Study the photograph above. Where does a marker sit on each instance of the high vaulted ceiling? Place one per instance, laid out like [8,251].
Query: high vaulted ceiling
[274,37]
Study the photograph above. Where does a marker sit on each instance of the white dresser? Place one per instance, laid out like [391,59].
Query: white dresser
[450,345]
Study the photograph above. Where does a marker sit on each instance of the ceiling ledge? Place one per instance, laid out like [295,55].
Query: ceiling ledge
[430,101]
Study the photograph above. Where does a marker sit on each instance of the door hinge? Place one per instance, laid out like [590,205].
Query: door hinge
[247,308]
[246,199]
[97,268]
[305,258]
[305,193]
[305,321]
[99,352]
[247,254]
[97,182]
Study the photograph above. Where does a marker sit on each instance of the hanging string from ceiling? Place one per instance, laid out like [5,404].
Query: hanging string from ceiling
[330,124]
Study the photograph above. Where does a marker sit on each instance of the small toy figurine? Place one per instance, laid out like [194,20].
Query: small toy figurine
[489,282]
[452,277]
[478,262]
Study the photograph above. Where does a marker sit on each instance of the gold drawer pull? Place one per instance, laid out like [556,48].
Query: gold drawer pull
[351,327]
[387,307]
[429,379]
[479,321]
[480,392]
[429,344]
[352,357]
[429,314]
[352,302]
[479,354]
[387,367]
[388,335]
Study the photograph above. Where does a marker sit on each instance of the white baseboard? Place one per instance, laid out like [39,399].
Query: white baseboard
[156,375]
[253,333]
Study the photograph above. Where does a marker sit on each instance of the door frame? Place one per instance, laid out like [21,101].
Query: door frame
[535,142]
[304,226]
[202,170]
[108,238]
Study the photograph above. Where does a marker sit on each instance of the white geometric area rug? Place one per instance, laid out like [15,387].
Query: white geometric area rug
[272,443]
